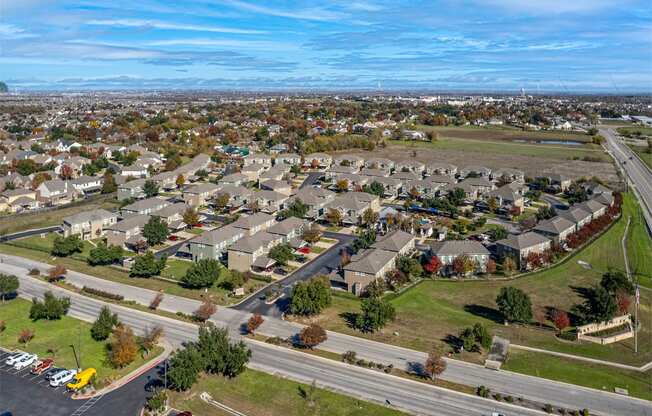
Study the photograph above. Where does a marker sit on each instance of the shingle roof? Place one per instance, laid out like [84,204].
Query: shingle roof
[394,241]
[371,262]
[555,225]
[457,247]
[218,236]
[252,220]
[523,241]
[95,215]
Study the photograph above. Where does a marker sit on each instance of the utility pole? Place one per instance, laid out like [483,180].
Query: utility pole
[75,354]
[638,296]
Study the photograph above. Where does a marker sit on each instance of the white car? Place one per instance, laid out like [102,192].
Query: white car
[26,361]
[14,358]
[62,377]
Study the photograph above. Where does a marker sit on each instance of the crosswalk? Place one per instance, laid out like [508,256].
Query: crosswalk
[87,405]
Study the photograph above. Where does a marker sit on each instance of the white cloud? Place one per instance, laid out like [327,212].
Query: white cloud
[318,14]
[552,6]
[9,31]
[170,26]
[244,44]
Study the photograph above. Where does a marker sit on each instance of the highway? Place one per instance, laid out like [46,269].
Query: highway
[407,395]
[639,175]
[517,385]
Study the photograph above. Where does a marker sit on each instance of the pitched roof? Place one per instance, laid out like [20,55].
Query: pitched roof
[218,236]
[95,215]
[371,261]
[286,226]
[394,241]
[555,225]
[576,214]
[252,220]
[130,223]
[523,241]
[457,247]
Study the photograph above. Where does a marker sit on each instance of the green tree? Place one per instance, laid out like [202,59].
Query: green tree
[65,246]
[150,188]
[369,217]
[219,354]
[190,217]
[296,209]
[376,313]
[147,265]
[311,297]
[514,304]
[155,231]
[203,273]
[8,284]
[498,233]
[616,281]
[102,255]
[51,308]
[599,306]
[109,185]
[104,324]
[375,188]
[281,253]
[482,335]
[410,266]
[184,367]
[467,339]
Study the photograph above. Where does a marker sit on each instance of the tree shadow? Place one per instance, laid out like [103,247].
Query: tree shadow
[453,341]
[583,292]
[416,368]
[485,312]
[350,318]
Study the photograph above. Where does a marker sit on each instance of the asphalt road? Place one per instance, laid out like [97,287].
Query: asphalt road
[324,264]
[518,385]
[29,233]
[366,384]
[311,179]
[637,171]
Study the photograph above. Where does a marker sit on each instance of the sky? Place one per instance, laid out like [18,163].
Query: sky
[598,46]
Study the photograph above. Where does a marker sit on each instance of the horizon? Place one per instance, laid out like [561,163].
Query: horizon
[495,46]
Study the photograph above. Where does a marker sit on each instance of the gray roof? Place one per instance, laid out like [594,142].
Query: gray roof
[95,215]
[523,241]
[145,204]
[138,183]
[218,236]
[170,210]
[252,220]
[576,214]
[371,261]
[286,226]
[394,241]
[201,188]
[591,206]
[252,243]
[130,223]
[555,225]
[457,248]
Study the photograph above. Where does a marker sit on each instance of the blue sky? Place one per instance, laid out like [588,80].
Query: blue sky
[489,45]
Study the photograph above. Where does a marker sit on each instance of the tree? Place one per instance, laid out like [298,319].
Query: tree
[147,265]
[103,325]
[491,266]
[65,246]
[312,335]
[25,336]
[311,297]
[376,313]
[334,216]
[150,188]
[155,231]
[435,365]
[9,284]
[615,281]
[514,304]
[66,172]
[498,233]
[313,234]
[123,347]
[219,355]
[52,308]
[281,253]
[254,322]
[624,301]
[482,335]
[369,217]
[342,185]
[109,185]
[599,305]
[560,320]
[509,265]
[433,266]
[180,181]
[467,338]
[492,204]
[296,209]
[190,217]
[205,311]
[103,255]
[184,368]
[365,240]
[203,273]
[463,265]
[222,200]
[410,266]
[150,338]
[375,188]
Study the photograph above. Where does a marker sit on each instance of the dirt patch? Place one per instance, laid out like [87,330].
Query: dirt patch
[532,166]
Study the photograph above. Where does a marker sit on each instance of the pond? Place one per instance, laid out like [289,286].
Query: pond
[562,142]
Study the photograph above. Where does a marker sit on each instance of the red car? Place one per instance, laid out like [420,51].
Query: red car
[173,238]
[304,250]
[41,366]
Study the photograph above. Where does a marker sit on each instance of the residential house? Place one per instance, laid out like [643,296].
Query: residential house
[282,187]
[198,195]
[255,223]
[172,215]
[276,173]
[349,160]
[290,159]
[134,171]
[506,197]
[253,172]
[508,174]
[336,170]
[594,207]
[557,228]
[577,215]
[87,184]
[375,173]
[258,159]
[478,171]
[397,241]
[238,195]
[144,206]
[315,198]
[448,251]
[379,163]
[269,201]
[320,160]
[131,189]
[291,229]
[250,251]
[89,225]
[57,192]
[353,180]
[16,200]
[391,186]
[520,246]
[352,206]
[127,233]
[413,166]
[214,244]
[235,179]
[441,169]
[371,265]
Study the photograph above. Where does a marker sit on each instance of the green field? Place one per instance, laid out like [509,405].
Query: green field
[219,296]
[590,375]
[261,394]
[510,148]
[429,313]
[635,130]
[57,336]
[45,244]
[508,133]
[27,221]
[176,269]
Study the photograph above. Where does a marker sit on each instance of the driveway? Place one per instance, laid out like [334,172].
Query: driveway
[555,202]
[311,179]
[328,261]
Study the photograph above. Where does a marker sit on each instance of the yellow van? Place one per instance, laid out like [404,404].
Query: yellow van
[81,379]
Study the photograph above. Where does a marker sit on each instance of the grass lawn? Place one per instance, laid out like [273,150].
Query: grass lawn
[556,151]
[261,394]
[586,374]
[219,296]
[428,314]
[176,269]
[45,244]
[626,131]
[196,231]
[317,249]
[643,154]
[27,221]
[58,335]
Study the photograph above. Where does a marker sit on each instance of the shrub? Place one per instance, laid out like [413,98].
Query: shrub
[349,357]
[154,304]
[51,308]
[274,340]
[102,293]
[34,272]
[254,322]
[548,408]
[25,336]
[509,399]
[483,391]
[157,402]
[205,310]
[3,326]
[312,335]
[498,397]
[123,347]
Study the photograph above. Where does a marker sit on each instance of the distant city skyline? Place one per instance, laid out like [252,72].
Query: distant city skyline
[580,46]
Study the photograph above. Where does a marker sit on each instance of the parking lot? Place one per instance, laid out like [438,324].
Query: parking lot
[23,393]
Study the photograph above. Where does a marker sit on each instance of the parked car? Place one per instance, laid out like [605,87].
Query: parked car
[280,271]
[304,250]
[173,238]
[51,372]
[62,378]
[41,366]
[15,358]
[26,361]
[82,379]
